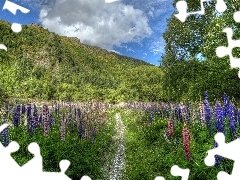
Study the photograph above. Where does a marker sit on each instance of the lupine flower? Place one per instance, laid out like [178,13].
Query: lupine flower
[208,115]
[92,134]
[219,118]
[63,128]
[238,116]
[70,121]
[151,116]
[170,127]
[232,121]
[45,120]
[201,113]
[5,137]
[15,117]
[23,109]
[52,121]
[86,134]
[186,142]
[30,120]
[35,116]
[218,158]
[226,105]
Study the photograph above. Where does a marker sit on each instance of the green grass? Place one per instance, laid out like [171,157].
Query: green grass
[86,158]
[149,155]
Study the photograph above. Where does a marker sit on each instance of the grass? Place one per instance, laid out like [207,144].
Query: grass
[149,155]
[86,158]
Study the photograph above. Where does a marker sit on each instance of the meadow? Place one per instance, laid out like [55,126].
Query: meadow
[157,136]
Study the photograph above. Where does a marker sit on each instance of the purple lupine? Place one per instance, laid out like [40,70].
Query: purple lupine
[208,115]
[23,109]
[93,130]
[35,116]
[226,105]
[219,118]
[45,117]
[232,121]
[238,116]
[63,128]
[219,127]
[30,119]
[70,122]
[52,121]
[218,158]
[151,116]
[15,117]
[5,137]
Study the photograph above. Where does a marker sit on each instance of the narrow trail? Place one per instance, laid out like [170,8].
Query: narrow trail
[117,163]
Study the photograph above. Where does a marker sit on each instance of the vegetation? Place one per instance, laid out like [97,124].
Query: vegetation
[190,63]
[43,65]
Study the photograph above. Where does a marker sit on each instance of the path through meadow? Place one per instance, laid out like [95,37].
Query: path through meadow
[117,164]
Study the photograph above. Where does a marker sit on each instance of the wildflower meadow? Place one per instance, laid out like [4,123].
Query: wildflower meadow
[157,136]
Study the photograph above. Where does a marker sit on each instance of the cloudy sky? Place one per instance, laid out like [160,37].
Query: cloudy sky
[130,27]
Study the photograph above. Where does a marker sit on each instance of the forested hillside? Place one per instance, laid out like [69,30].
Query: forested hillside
[43,65]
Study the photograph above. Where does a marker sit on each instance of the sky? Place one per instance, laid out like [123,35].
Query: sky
[131,28]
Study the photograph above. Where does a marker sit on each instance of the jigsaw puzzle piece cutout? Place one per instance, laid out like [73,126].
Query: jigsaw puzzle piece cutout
[177,171]
[35,165]
[222,51]
[7,163]
[64,165]
[2,46]
[236,16]
[227,150]
[159,178]
[182,9]
[86,178]
[12,7]
[221,6]
[3,126]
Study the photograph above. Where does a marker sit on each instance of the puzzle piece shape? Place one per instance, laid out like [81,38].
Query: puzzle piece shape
[35,164]
[222,51]
[12,7]
[236,16]
[227,150]
[177,171]
[33,168]
[182,9]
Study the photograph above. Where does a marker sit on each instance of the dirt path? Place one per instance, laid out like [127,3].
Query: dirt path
[118,162]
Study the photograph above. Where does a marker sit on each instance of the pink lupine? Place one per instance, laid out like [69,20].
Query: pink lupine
[186,142]
[170,127]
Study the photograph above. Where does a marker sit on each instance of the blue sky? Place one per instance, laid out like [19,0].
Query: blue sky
[130,27]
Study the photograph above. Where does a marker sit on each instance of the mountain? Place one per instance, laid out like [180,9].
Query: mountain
[43,65]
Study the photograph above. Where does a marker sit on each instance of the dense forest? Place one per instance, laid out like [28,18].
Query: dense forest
[190,63]
[43,65]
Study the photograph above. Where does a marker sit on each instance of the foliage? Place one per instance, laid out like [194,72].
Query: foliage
[190,63]
[43,65]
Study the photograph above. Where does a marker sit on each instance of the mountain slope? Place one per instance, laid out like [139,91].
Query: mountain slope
[41,64]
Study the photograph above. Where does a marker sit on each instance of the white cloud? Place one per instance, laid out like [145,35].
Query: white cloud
[157,46]
[95,22]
